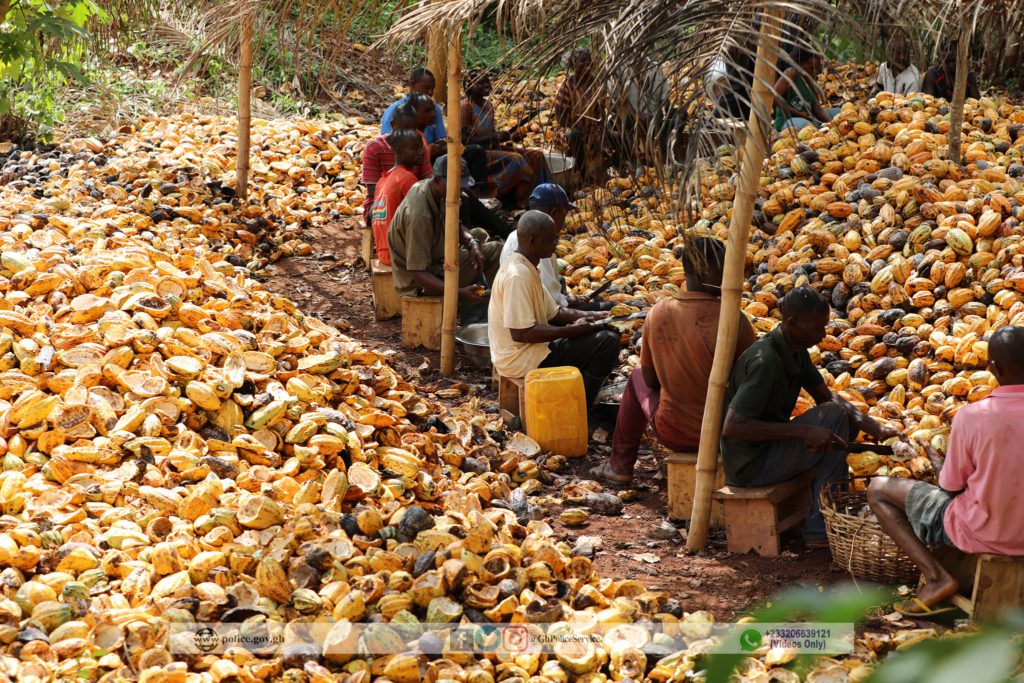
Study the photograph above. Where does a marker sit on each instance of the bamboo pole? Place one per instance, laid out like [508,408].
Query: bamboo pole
[732,277]
[956,117]
[244,108]
[451,219]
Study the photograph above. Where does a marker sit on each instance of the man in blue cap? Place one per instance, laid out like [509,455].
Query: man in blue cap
[553,200]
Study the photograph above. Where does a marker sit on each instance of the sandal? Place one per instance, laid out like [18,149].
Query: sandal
[607,474]
[914,608]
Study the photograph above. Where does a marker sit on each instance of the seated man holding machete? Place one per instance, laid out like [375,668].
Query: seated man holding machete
[528,330]
[761,445]
[668,389]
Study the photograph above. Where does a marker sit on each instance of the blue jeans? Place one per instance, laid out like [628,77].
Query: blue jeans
[799,122]
[789,459]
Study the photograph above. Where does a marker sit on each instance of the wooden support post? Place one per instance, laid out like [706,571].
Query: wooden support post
[451,220]
[732,278]
[244,108]
[956,116]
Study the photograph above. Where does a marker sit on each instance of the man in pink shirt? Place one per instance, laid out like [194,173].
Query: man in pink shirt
[977,506]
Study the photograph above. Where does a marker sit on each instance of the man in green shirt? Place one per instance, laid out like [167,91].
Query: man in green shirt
[760,444]
[416,241]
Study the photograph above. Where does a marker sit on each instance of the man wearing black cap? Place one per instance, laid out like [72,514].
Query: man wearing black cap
[553,200]
[416,240]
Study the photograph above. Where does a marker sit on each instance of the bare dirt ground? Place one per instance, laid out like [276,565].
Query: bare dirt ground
[334,285]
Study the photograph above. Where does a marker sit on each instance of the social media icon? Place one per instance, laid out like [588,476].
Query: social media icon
[206,639]
[487,638]
[750,640]
[515,639]
[462,640]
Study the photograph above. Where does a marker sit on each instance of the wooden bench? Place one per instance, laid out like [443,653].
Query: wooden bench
[682,480]
[512,396]
[386,302]
[756,517]
[421,322]
[989,583]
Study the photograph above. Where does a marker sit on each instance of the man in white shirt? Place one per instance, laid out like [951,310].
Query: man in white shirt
[528,330]
[553,200]
[898,75]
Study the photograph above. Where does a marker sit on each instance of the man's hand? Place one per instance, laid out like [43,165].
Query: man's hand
[477,256]
[504,136]
[471,295]
[934,457]
[586,322]
[591,324]
[889,432]
[820,439]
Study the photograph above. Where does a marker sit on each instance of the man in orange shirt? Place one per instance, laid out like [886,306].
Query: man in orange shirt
[379,157]
[407,144]
[668,389]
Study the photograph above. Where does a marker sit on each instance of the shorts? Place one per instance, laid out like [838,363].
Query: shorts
[926,509]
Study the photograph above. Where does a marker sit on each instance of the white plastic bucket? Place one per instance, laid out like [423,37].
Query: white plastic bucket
[560,166]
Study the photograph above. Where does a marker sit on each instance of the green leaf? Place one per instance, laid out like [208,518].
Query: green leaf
[985,658]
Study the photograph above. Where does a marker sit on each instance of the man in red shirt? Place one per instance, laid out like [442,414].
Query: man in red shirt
[409,153]
[977,506]
[668,389]
[379,158]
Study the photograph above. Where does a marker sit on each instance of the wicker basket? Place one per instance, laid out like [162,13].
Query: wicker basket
[859,545]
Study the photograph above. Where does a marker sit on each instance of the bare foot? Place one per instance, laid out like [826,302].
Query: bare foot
[934,592]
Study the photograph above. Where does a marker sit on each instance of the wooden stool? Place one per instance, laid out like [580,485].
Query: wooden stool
[512,396]
[421,322]
[989,583]
[366,248]
[682,480]
[756,517]
[386,302]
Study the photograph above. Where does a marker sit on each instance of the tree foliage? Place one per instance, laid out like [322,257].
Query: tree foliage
[42,48]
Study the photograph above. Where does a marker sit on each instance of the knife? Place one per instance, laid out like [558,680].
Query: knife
[526,119]
[870,448]
[623,318]
[593,295]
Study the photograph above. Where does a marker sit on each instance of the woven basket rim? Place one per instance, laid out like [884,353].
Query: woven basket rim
[859,545]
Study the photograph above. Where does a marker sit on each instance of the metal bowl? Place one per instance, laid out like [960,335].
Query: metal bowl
[611,394]
[475,345]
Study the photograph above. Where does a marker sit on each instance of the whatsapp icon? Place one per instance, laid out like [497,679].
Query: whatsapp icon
[750,640]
